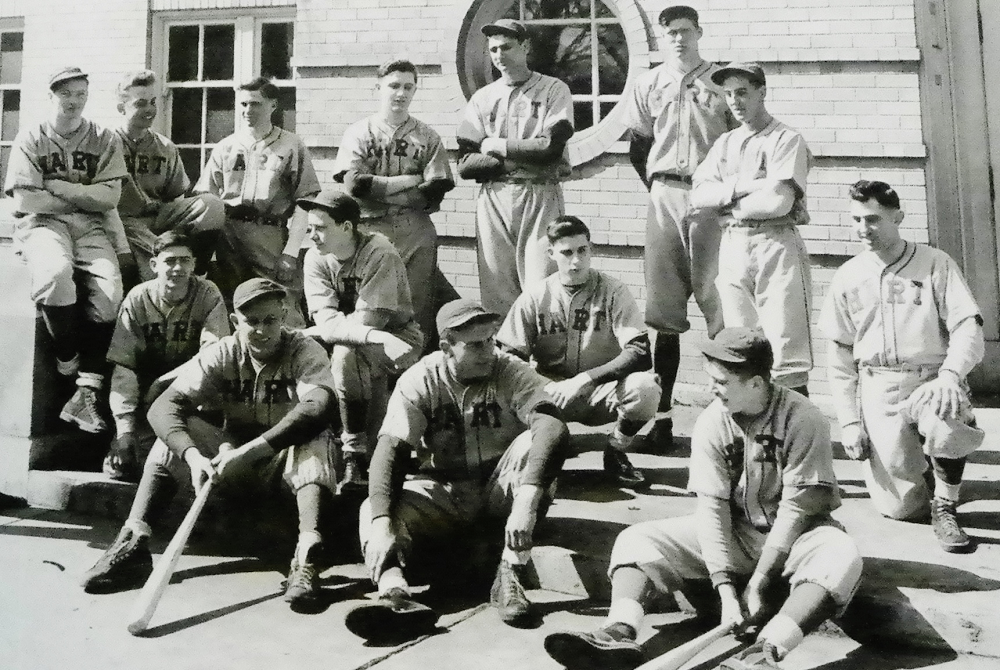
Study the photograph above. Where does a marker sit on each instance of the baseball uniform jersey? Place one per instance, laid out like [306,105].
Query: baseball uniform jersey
[513,210]
[87,241]
[683,114]
[766,278]
[155,174]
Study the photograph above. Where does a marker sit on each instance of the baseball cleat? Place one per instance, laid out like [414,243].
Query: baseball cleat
[395,615]
[661,436]
[944,520]
[601,649]
[760,655]
[508,596]
[82,410]
[617,464]
[355,474]
[126,564]
[302,586]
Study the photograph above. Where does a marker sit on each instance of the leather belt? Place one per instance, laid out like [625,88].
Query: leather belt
[666,176]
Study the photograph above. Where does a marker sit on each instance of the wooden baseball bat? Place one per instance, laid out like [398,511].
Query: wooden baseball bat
[153,590]
[678,656]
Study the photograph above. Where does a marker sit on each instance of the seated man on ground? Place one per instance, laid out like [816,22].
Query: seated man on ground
[274,390]
[359,298]
[162,324]
[586,333]
[762,466]
[488,445]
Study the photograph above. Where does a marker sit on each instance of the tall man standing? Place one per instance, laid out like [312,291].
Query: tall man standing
[513,142]
[397,168]
[675,114]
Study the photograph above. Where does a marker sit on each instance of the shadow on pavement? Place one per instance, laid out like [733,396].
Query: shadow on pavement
[887,657]
[188,622]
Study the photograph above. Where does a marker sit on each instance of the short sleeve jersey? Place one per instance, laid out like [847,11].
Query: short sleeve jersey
[373,279]
[254,398]
[269,174]
[156,173]
[683,113]
[900,313]
[372,146]
[88,155]
[788,445]
[460,431]
[152,336]
[523,112]
[776,152]
[571,331]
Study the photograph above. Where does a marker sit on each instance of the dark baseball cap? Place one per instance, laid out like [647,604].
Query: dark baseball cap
[65,74]
[738,345]
[753,71]
[337,204]
[255,289]
[678,12]
[457,313]
[508,27]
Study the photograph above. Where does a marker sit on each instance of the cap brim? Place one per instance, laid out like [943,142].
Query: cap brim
[492,30]
[490,317]
[719,76]
[266,294]
[720,353]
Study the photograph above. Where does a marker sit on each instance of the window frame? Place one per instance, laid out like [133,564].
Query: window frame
[12,25]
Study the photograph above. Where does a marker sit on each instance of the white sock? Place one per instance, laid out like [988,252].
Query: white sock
[90,380]
[946,491]
[139,527]
[307,541]
[626,610]
[392,579]
[783,633]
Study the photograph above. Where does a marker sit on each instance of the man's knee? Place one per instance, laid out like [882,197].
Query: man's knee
[211,213]
[641,396]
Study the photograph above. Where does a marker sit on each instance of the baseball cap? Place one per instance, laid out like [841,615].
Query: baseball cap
[337,204]
[508,27]
[738,345]
[65,74]
[752,70]
[460,312]
[254,289]
[678,12]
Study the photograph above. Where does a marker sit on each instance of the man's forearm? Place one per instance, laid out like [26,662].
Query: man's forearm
[549,445]
[966,348]
[769,202]
[843,375]
[168,419]
[304,422]
[40,201]
[123,398]
[385,475]
[634,357]
[90,197]
[715,533]
[713,194]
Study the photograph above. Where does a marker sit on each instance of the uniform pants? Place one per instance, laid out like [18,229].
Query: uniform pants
[682,257]
[633,399]
[203,212]
[901,435]
[511,221]
[412,233]
[54,246]
[764,279]
[668,552]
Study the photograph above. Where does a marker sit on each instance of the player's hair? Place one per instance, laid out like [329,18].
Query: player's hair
[760,366]
[566,225]
[879,191]
[261,84]
[678,12]
[397,65]
[134,78]
[179,237]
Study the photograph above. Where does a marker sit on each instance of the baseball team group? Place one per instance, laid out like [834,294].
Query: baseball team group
[216,350]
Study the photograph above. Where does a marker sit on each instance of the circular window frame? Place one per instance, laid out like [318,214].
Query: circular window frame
[589,143]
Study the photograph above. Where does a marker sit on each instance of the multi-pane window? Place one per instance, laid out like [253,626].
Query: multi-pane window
[11,52]
[204,60]
[581,42]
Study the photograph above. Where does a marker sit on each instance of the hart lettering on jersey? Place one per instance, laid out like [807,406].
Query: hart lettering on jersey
[584,319]
[396,148]
[486,414]
[179,331]
[82,161]
[144,164]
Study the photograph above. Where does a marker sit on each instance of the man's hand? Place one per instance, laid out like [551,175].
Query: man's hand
[400,354]
[755,596]
[233,464]
[201,468]
[566,391]
[855,442]
[943,394]
[494,146]
[520,527]
[123,459]
[733,611]
[383,544]
[286,269]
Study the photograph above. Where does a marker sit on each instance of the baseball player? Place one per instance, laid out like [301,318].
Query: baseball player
[904,332]
[397,168]
[754,178]
[512,141]
[65,178]
[274,389]
[259,172]
[585,332]
[162,324]
[153,196]
[762,467]
[675,113]
[488,447]
[359,298]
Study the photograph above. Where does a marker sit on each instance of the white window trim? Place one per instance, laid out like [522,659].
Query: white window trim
[13,25]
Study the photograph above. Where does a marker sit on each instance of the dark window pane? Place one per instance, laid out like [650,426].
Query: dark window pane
[556,9]
[284,115]
[11,48]
[192,163]
[583,114]
[12,42]
[612,59]
[4,159]
[606,108]
[185,116]
[562,52]
[603,11]
[221,115]
[220,44]
[11,114]
[182,63]
[276,40]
